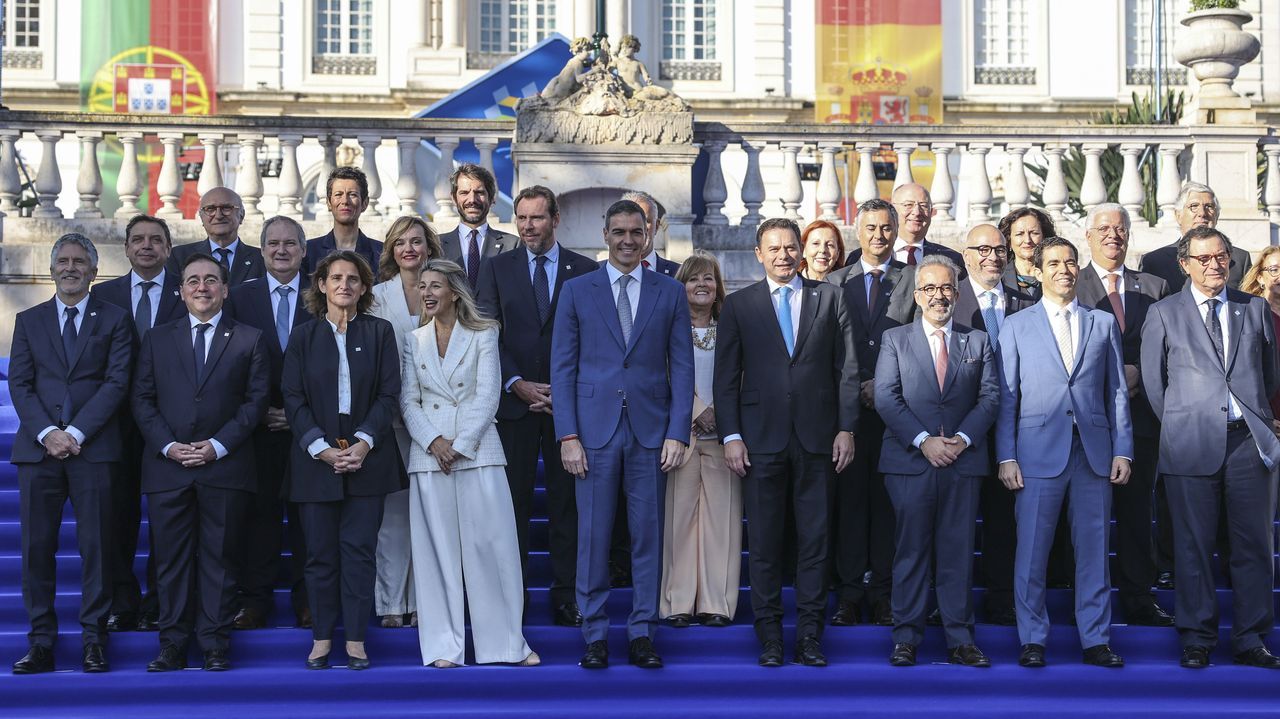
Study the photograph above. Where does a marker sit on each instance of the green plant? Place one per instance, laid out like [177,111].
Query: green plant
[1214,4]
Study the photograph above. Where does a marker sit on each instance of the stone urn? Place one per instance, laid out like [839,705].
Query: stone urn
[1214,46]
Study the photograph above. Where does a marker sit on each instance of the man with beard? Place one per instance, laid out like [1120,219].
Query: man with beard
[221,212]
[473,241]
[1196,206]
[915,214]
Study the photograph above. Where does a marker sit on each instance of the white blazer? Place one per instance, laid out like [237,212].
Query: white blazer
[454,397]
[388,303]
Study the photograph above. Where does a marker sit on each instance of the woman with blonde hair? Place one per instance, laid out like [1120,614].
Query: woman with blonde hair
[410,242]
[1263,280]
[462,522]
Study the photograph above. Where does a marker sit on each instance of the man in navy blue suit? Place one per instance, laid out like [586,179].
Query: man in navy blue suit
[221,212]
[347,197]
[1063,434]
[200,389]
[68,374]
[622,368]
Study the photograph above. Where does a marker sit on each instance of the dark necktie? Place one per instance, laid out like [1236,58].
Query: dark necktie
[199,349]
[142,313]
[224,257]
[69,350]
[1214,325]
[541,288]
[873,293]
[473,260]
[911,254]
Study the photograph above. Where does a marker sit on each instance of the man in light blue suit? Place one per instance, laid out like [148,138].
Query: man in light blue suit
[1062,433]
[622,379]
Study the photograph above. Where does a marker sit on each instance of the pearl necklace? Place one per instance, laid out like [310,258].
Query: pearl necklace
[708,341]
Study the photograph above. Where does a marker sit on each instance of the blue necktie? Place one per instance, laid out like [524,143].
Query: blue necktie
[199,349]
[784,319]
[69,350]
[990,318]
[142,313]
[282,315]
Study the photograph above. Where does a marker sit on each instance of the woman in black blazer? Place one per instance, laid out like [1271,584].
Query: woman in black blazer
[344,459]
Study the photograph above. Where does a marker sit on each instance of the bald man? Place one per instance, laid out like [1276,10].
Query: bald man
[221,212]
[915,212]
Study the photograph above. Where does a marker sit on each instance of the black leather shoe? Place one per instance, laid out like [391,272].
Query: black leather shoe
[95,659]
[1258,657]
[597,656]
[809,652]
[904,655]
[771,653]
[714,620]
[567,615]
[37,661]
[1102,656]
[249,618]
[934,619]
[1150,615]
[1032,656]
[882,614]
[318,662]
[1002,616]
[679,621]
[122,622]
[149,622]
[969,655]
[641,654]
[171,659]
[847,615]
[619,576]
[1164,580]
[215,660]
[357,664]
[1195,656]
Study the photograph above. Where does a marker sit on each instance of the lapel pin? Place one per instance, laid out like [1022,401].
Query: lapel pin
[357,349]
[247,261]
[226,334]
[95,314]
[1237,313]
[963,340]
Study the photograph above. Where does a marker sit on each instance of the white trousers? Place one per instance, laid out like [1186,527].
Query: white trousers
[463,524]
[393,593]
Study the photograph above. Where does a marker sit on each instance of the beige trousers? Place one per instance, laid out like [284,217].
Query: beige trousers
[702,539]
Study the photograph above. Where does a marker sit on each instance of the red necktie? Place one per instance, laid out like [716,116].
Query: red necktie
[940,365]
[646,264]
[911,254]
[1113,294]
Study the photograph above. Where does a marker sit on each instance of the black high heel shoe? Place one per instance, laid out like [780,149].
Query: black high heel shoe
[318,662]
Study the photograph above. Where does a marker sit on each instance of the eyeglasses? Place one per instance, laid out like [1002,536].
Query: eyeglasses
[1197,208]
[1222,258]
[985,250]
[931,290]
[211,210]
[1117,230]
[1273,270]
[910,206]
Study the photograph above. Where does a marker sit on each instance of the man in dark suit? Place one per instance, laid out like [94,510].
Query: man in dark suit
[937,391]
[915,214]
[655,222]
[520,289]
[1107,285]
[68,374]
[1063,435]
[983,300]
[200,389]
[347,197]
[622,370]
[149,294]
[221,212]
[1196,206]
[473,241]
[878,294]
[273,305]
[1209,366]
[786,399]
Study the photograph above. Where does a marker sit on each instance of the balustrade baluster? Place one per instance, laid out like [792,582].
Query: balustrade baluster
[129,182]
[169,184]
[903,150]
[714,192]
[290,182]
[10,185]
[49,177]
[329,163]
[445,207]
[211,168]
[865,188]
[1016,191]
[1131,194]
[752,186]
[941,191]
[979,183]
[89,181]
[792,194]
[248,175]
[407,185]
[1055,182]
[369,145]
[486,146]
[1271,191]
[829,182]
[1093,191]
[1170,183]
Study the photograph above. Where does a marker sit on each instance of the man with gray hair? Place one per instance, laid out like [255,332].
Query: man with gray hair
[654,217]
[221,212]
[1196,206]
[68,375]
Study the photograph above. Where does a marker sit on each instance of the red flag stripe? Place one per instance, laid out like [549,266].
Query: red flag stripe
[879,12]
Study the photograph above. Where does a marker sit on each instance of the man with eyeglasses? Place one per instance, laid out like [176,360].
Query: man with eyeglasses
[221,212]
[1196,206]
[346,194]
[1209,368]
[983,301]
[915,212]
[1062,435]
[1107,285]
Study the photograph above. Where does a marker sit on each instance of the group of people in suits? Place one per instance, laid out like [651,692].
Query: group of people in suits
[861,409]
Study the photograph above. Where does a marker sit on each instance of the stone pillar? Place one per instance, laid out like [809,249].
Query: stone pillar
[1226,159]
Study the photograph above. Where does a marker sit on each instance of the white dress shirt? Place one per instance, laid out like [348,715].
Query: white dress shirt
[233,248]
[934,348]
[900,250]
[989,298]
[1233,408]
[135,293]
[344,392]
[218,450]
[296,285]
[553,257]
[78,322]
[1052,309]
[464,241]
[633,288]
[1102,275]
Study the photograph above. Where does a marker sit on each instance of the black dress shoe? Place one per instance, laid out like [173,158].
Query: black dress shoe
[619,576]
[1032,656]
[969,655]
[771,653]
[149,622]
[95,659]
[567,615]
[809,652]
[714,620]
[122,622]
[215,660]
[904,655]
[1195,656]
[318,662]
[249,618]
[1150,615]
[1002,616]
[596,657]
[882,614]
[1258,657]
[1164,580]
[39,659]
[357,664]
[171,659]
[1102,656]
[847,614]
[679,621]
[934,619]
[303,618]
[641,654]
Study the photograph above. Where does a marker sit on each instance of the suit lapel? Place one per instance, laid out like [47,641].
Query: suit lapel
[427,348]
[1235,324]
[956,348]
[170,296]
[53,324]
[918,344]
[217,344]
[607,306]
[1086,327]
[764,301]
[648,300]
[808,312]
[1198,330]
[1049,335]
[87,327]
[492,242]
[859,286]
[459,341]
[186,349]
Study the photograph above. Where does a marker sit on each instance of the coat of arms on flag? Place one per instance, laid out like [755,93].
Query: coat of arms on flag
[154,88]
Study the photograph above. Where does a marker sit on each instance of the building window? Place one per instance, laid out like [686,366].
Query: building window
[1002,43]
[509,26]
[1140,35]
[22,35]
[344,38]
[689,40]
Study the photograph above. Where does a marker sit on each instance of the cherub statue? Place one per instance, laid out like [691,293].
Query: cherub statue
[633,74]
[567,82]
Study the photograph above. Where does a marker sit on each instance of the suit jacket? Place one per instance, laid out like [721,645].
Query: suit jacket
[1163,263]
[253,304]
[495,242]
[1141,291]
[1040,399]
[766,395]
[389,304]
[895,307]
[452,397]
[666,267]
[505,293]
[909,400]
[119,292]
[310,386]
[321,247]
[247,264]
[928,248]
[969,312]
[96,375]
[169,405]
[1010,279]
[594,373]
[1187,384]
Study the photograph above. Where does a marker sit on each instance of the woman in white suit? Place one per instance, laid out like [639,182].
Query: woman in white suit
[410,242]
[462,521]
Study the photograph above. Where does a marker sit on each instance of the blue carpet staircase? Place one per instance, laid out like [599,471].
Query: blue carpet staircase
[710,672]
